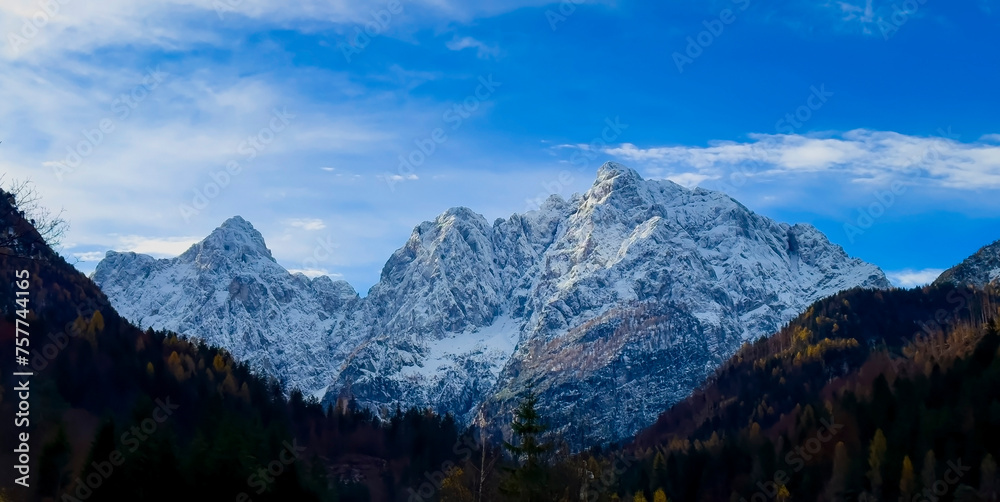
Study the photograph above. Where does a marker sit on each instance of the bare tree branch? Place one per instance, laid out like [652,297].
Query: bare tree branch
[22,197]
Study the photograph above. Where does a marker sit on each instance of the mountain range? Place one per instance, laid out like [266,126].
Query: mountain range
[612,305]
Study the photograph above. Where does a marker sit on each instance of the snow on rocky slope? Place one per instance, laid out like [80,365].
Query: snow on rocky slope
[229,291]
[978,270]
[612,305]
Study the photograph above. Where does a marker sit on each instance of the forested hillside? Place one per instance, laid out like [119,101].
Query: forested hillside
[869,395]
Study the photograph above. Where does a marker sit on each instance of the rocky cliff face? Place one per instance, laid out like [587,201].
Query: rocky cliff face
[612,305]
[978,270]
[229,291]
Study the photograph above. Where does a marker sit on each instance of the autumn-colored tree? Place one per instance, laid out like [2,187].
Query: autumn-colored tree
[783,493]
[453,489]
[876,458]
[659,496]
[96,324]
[639,497]
[175,366]
[660,475]
[219,363]
[907,480]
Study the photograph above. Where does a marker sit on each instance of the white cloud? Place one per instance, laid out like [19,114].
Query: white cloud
[860,155]
[398,177]
[689,179]
[910,278]
[313,273]
[309,224]
[177,24]
[483,50]
[817,154]
[90,256]
[160,247]
[876,18]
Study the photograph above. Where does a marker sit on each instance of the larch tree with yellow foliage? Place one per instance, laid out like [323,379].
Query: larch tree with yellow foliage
[876,457]
[907,480]
[452,488]
[660,496]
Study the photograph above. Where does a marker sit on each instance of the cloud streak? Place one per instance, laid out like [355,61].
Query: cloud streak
[862,156]
[29,29]
[910,278]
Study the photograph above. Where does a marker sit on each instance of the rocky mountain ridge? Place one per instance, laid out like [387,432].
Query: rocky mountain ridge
[612,304]
[980,269]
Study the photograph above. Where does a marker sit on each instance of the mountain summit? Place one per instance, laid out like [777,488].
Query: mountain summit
[613,304]
[235,237]
[229,291]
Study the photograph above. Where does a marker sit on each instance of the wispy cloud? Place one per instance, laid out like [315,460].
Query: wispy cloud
[859,155]
[309,224]
[395,178]
[483,50]
[157,246]
[179,24]
[689,179]
[862,14]
[312,273]
[910,278]
[90,256]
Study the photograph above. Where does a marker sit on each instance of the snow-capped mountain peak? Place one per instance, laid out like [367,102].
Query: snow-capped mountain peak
[611,170]
[235,238]
[229,290]
[631,291]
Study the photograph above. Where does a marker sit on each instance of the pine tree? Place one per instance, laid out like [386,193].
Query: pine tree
[101,450]
[53,463]
[526,482]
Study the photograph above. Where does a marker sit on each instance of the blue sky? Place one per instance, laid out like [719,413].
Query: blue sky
[153,122]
